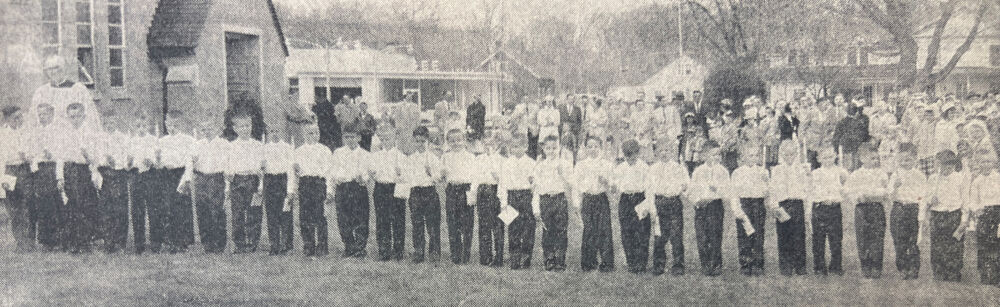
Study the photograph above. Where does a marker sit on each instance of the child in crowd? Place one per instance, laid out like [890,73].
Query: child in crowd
[984,200]
[592,182]
[279,172]
[46,182]
[789,190]
[209,160]
[827,185]
[390,211]
[948,216]
[515,191]
[77,161]
[631,181]
[351,175]
[421,172]
[867,189]
[667,180]
[550,203]
[118,171]
[459,171]
[705,191]
[311,189]
[749,190]
[491,228]
[910,185]
[14,158]
[245,173]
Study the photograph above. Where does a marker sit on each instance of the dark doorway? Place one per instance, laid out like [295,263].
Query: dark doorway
[242,69]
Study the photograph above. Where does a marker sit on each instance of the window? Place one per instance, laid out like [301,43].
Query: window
[863,55]
[293,88]
[51,34]
[116,44]
[85,41]
[995,55]
[852,56]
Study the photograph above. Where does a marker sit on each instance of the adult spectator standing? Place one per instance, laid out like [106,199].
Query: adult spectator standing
[475,118]
[699,108]
[788,124]
[328,123]
[366,126]
[571,115]
[850,133]
[61,91]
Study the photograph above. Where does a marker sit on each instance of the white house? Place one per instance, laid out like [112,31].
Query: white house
[684,76]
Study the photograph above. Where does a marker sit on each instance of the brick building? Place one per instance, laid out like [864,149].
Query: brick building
[179,62]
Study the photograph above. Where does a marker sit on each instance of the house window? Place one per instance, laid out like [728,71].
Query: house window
[85,41]
[116,44]
[852,56]
[995,55]
[51,34]
[293,87]
[863,55]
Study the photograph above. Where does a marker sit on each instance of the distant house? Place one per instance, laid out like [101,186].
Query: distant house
[870,68]
[522,80]
[682,76]
[185,60]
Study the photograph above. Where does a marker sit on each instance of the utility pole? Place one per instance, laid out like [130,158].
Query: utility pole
[680,29]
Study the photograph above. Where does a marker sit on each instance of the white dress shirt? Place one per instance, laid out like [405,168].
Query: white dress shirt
[590,173]
[708,182]
[350,165]
[952,191]
[867,182]
[911,186]
[211,156]
[631,178]
[789,182]
[312,160]
[667,179]
[490,169]
[279,158]
[516,174]
[985,191]
[552,177]
[749,182]
[246,157]
[10,153]
[176,150]
[460,167]
[423,169]
[388,165]
[828,184]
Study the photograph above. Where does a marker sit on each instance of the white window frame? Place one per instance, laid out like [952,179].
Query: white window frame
[84,72]
[120,47]
[46,45]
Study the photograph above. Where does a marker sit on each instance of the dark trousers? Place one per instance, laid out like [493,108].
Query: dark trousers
[390,222]
[279,221]
[460,222]
[114,208]
[635,232]
[792,239]
[827,226]
[988,246]
[179,219]
[869,227]
[946,252]
[904,229]
[532,145]
[312,218]
[708,231]
[751,247]
[491,228]
[670,211]
[81,208]
[595,210]
[22,213]
[210,198]
[47,201]
[247,216]
[148,207]
[522,229]
[425,215]
[555,215]
[353,213]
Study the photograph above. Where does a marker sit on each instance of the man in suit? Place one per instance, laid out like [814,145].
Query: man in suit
[475,119]
[571,114]
[326,119]
[699,108]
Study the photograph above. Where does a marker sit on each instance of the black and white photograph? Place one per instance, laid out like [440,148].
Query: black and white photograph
[499,152]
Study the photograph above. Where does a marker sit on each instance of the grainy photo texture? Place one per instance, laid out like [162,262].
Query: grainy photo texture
[499,152]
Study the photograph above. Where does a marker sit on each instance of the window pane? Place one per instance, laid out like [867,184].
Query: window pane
[117,77]
[51,31]
[83,34]
[115,59]
[115,36]
[50,10]
[83,12]
[114,14]
[293,81]
[85,56]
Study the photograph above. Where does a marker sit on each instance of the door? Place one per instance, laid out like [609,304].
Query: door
[242,70]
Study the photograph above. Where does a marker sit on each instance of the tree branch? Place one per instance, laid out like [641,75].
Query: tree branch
[962,49]
[934,47]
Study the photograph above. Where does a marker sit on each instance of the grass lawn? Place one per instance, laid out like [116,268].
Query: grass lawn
[257,279]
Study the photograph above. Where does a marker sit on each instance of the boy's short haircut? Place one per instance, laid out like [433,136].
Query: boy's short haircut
[421,132]
[711,144]
[550,138]
[907,148]
[593,138]
[630,147]
[8,111]
[75,105]
[948,157]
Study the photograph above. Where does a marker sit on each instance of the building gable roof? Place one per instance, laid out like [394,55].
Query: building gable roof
[512,58]
[178,24]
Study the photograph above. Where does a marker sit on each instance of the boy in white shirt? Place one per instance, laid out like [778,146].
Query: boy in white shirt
[985,200]
[789,190]
[45,181]
[867,188]
[148,193]
[826,213]
[550,203]
[390,211]
[515,191]
[420,174]
[491,228]
[311,189]
[77,154]
[14,159]
[948,217]
[177,222]
[910,186]
[118,170]
[635,228]
[279,172]
[667,180]
[351,174]
[705,191]
[245,172]
[749,192]
[593,178]
[209,160]
[459,171]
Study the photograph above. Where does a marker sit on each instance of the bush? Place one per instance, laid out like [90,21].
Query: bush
[735,82]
